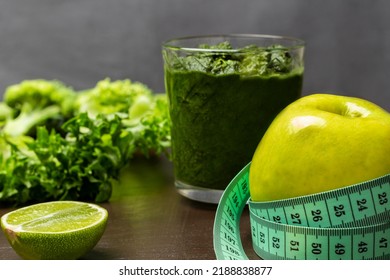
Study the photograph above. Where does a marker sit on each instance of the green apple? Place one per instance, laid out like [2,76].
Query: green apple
[318,143]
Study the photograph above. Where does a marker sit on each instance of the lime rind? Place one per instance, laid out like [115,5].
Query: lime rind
[33,240]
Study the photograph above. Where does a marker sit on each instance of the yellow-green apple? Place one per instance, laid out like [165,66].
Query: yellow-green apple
[320,142]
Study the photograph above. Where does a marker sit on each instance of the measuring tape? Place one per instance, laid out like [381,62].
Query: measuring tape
[347,223]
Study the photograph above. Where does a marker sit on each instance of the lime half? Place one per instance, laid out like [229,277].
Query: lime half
[55,230]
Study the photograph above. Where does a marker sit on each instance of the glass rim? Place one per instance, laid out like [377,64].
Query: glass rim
[168,44]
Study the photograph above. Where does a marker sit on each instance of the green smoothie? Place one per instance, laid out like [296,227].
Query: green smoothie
[221,105]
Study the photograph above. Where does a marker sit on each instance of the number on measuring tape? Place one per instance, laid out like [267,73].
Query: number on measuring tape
[347,223]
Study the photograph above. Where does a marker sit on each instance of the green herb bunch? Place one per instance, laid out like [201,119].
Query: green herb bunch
[59,144]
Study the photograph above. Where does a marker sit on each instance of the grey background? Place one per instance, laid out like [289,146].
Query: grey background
[82,41]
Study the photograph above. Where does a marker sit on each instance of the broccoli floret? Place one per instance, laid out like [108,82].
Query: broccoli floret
[5,113]
[110,97]
[36,102]
[5,150]
[8,144]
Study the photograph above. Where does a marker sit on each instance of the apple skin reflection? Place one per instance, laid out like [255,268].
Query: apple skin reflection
[299,123]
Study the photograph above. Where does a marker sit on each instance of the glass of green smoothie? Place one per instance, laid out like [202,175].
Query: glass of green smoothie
[223,92]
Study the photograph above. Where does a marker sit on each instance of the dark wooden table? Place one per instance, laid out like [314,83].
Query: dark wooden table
[149,220]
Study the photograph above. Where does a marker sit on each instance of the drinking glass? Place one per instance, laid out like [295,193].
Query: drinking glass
[223,92]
